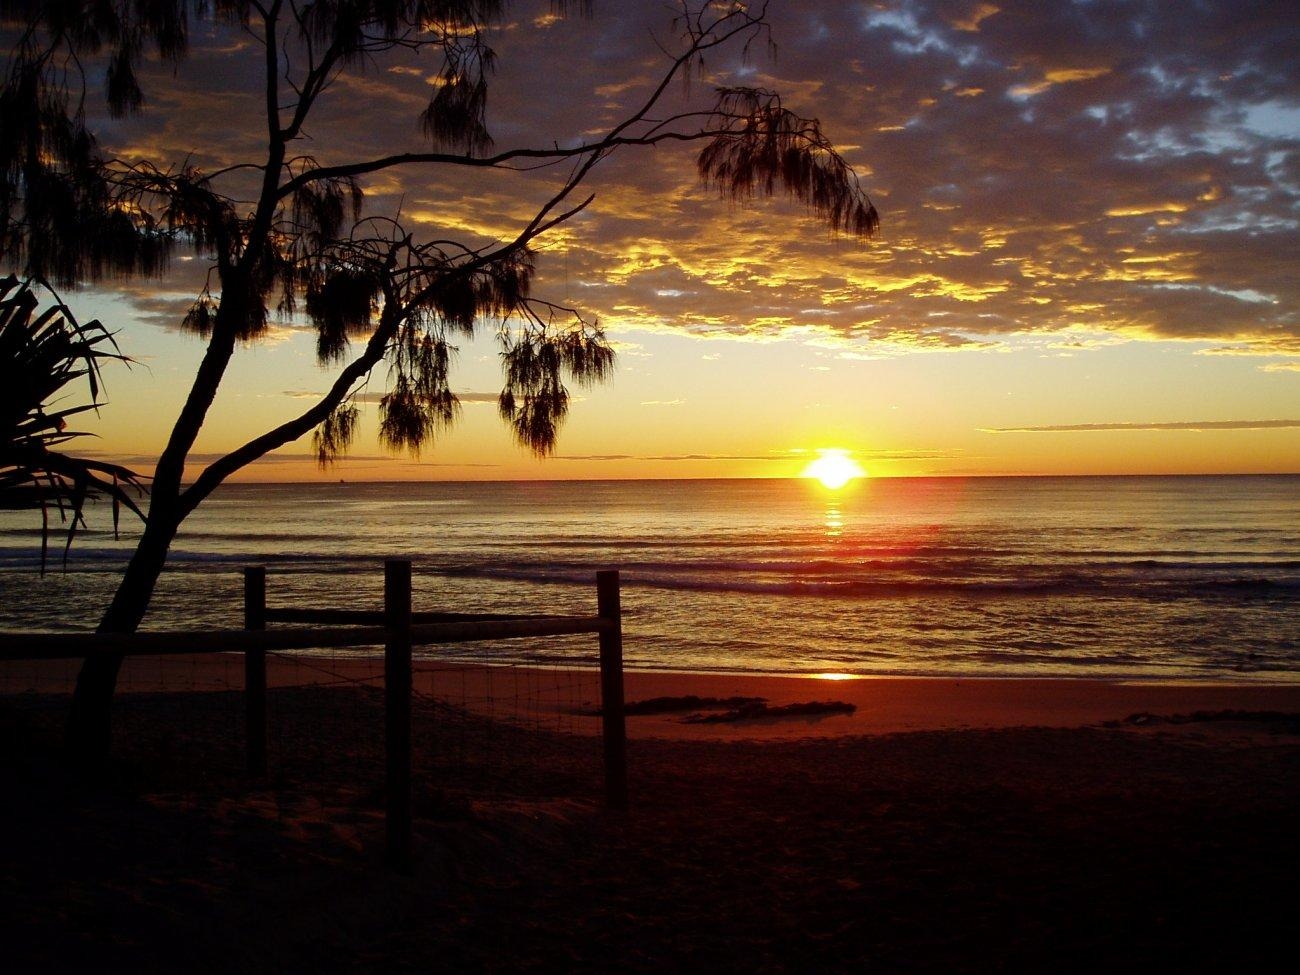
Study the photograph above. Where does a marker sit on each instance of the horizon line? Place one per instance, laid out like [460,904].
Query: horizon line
[870,477]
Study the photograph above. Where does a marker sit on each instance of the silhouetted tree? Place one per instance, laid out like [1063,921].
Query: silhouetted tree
[42,354]
[301,243]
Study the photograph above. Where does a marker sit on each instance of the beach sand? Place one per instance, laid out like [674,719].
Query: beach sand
[882,705]
[945,825]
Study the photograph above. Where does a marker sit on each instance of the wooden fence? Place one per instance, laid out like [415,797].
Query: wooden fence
[398,629]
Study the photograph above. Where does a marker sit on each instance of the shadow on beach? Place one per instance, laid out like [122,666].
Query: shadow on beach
[974,850]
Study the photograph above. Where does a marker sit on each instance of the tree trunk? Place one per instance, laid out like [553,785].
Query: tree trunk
[89,732]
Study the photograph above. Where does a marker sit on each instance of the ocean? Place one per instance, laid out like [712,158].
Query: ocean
[1118,577]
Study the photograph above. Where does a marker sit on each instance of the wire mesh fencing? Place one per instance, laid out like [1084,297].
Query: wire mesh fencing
[358,737]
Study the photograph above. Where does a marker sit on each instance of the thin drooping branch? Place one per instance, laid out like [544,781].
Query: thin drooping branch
[216,472]
[751,142]
[739,20]
[77,216]
[375,352]
[751,145]
[766,145]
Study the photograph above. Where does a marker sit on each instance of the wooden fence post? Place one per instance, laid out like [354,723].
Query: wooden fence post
[611,688]
[255,672]
[397,711]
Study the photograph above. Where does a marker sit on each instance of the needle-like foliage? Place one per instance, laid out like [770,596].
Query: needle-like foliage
[284,233]
[762,146]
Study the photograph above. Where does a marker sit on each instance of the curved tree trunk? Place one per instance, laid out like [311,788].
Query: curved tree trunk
[89,733]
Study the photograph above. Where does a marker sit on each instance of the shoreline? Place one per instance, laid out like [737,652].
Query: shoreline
[567,698]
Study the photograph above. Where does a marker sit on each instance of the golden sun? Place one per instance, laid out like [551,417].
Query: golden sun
[834,468]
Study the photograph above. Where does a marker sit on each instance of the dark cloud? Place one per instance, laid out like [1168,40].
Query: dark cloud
[1123,166]
[1046,167]
[463,397]
[146,462]
[368,397]
[870,455]
[1191,425]
[669,457]
[783,458]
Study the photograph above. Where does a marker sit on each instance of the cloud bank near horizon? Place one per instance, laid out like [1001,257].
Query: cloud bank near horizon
[1194,426]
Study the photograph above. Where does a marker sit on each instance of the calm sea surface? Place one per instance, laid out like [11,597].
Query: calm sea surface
[1152,577]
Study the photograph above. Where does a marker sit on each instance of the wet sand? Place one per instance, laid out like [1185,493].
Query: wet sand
[882,705]
[972,825]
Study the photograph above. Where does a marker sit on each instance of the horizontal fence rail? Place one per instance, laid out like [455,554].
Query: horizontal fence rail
[375,617]
[395,628]
[62,646]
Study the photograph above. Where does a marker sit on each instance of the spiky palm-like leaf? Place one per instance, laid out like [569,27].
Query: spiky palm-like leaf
[42,354]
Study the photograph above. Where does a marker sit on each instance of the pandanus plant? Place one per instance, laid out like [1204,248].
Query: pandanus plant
[43,352]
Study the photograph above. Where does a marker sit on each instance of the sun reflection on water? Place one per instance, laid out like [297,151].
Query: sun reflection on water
[834,520]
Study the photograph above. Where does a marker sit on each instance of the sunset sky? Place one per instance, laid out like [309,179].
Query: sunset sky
[1088,260]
